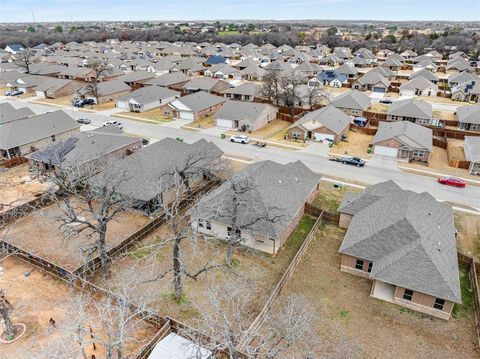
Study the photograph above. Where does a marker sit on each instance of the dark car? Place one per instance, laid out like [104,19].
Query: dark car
[81,103]
[386,101]
[354,161]
[83,121]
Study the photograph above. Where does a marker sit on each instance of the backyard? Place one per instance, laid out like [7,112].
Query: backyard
[329,197]
[351,324]
[468,238]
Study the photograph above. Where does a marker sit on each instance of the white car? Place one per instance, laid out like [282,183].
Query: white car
[113,123]
[240,139]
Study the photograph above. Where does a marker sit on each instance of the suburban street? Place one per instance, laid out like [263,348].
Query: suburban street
[314,156]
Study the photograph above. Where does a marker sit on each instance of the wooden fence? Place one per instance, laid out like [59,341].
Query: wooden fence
[94,264]
[15,161]
[371,131]
[254,328]
[440,142]
[25,208]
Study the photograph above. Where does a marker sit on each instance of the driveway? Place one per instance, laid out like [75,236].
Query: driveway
[385,162]
[320,149]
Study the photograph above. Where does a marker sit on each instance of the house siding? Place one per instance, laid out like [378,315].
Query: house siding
[348,266]
[44,142]
[344,220]
[422,302]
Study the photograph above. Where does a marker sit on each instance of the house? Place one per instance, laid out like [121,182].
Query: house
[416,111]
[195,106]
[372,81]
[327,123]
[14,48]
[174,81]
[77,73]
[271,204]
[244,92]
[408,54]
[471,148]
[330,78]
[352,103]
[26,83]
[174,346]
[404,242]
[149,171]
[252,73]
[205,84]
[108,91]
[216,59]
[468,117]
[89,150]
[146,98]
[468,91]
[29,134]
[404,140]
[248,116]
[8,113]
[426,75]
[459,64]
[418,86]
[348,70]
[425,65]
[136,79]
[54,88]
[461,77]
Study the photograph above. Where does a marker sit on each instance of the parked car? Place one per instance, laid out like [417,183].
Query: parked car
[13,93]
[113,123]
[240,139]
[354,161]
[452,181]
[83,121]
[386,101]
[83,102]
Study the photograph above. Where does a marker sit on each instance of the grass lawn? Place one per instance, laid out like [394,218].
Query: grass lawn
[329,197]
[378,107]
[466,308]
[468,238]
[227,33]
[271,129]
[348,323]
[203,123]
[443,115]
[60,101]
[153,115]
[357,145]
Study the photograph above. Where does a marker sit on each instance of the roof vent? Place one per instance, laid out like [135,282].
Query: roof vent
[279,181]
[439,246]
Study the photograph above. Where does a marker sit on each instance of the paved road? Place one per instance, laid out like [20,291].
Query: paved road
[378,170]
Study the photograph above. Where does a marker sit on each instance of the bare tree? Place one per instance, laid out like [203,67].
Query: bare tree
[5,312]
[272,86]
[314,94]
[291,92]
[89,205]
[25,59]
[100,69]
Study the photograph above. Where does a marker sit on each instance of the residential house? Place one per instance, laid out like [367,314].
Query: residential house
[26,83]
[195,106]
[14,48]
[468,91]
[174,81]
[404,242]
[471,148]
[325,124]
[272,203]
[372,81]
[108,91]
[55,88]
[348,70]
[416,111]
[244,92]
[352,103]
[459,64]
[461,77]
[418,86]
[8,113]
[468,117]
[150,171]
[205,84]
[29,134]
[330,78]
[87,151]
[146,98]
[247,116]
[425,74]
[404,140]
[136,79]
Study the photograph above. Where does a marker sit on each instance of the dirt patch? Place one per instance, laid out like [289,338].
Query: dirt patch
[455,150]
[444,115]
[351,324]
[202,123]
[270,130]
[468,237]
[153,115]
[379,108]
[17,187]
[39,233]
[36,298]
[357,145]
[329,197]
[65,101]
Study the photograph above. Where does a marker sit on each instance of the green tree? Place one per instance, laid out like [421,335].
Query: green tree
[73,29]
[58,28]
[232,27]
[250,27]
[332,31]
[390,39]
[31,29]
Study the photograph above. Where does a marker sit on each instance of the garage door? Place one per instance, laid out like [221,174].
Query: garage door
[123,105]
[323,137]
[379,89]
[385,151]
[224,123]
[186,115]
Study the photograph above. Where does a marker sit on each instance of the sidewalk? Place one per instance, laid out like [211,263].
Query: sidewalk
[436,174]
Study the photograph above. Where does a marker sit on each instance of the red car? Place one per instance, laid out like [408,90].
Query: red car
[451,181]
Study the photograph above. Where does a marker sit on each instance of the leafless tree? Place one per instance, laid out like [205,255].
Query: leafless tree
[100,69]
[314,94]
[25,59]
[5,312]
[272,86]
[88,205]
[290,89]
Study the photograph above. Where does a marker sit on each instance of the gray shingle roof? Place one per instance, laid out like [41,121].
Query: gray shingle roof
[411,108]
[352,100]
[471,147]
[147,172]
[9,113]
[34,128]
[469,114]
[329,116]
[149,94]
[169,79]
[410,238]
[199,101]
[408,133]
[274,194]
[235,110]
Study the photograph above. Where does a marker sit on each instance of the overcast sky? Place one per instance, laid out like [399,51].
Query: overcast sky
[76,10]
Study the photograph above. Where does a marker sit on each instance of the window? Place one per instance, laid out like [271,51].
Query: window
[359,264]
[408,294]
[200,223]
[229,232]
[369,270]
[417,153]
[208,225]
[439,303]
